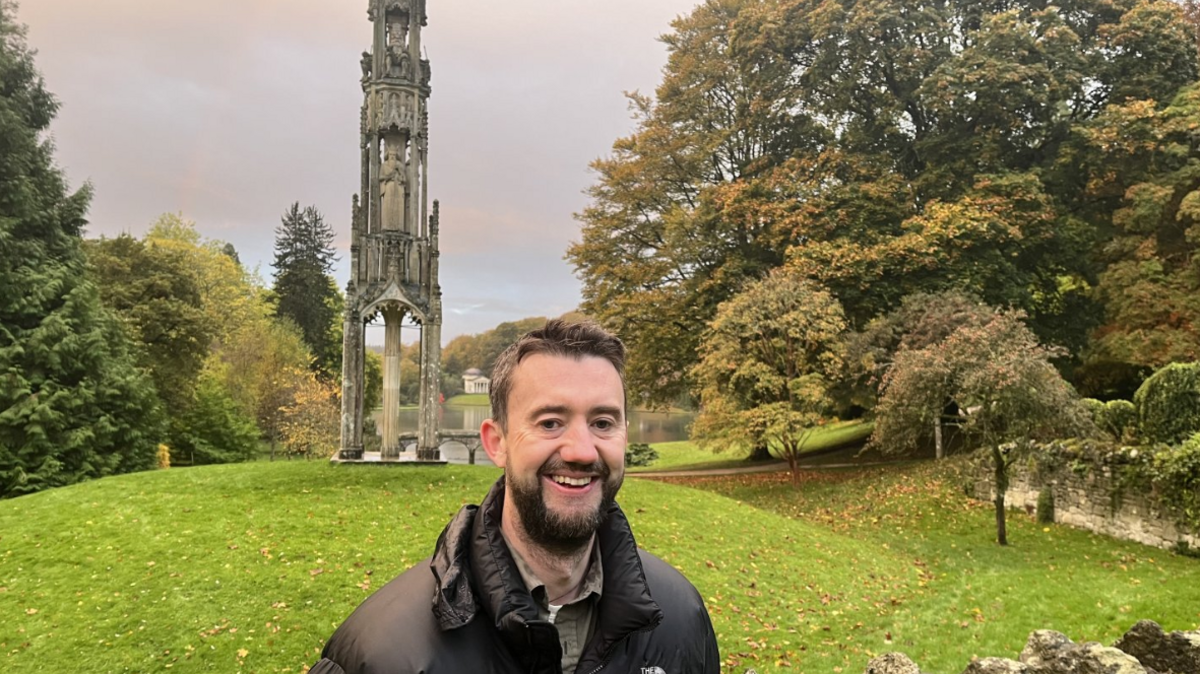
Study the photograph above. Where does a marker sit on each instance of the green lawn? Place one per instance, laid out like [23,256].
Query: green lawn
[685,455]
[972,597]
[248,568]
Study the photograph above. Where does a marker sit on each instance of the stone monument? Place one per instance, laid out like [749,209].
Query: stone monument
[394,237]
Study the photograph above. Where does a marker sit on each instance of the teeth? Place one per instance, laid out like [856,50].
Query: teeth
[572,481]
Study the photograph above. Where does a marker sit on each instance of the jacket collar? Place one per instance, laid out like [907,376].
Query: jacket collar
[475,573]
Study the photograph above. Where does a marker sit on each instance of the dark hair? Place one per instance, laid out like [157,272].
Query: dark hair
[556,338]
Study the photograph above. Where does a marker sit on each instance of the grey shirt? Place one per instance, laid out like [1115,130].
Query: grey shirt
[576,619]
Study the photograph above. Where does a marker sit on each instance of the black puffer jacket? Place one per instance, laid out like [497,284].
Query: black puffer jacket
[483,620]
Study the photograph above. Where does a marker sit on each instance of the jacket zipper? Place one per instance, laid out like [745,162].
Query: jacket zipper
[612,651]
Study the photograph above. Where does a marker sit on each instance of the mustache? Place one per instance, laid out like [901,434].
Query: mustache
[555,465]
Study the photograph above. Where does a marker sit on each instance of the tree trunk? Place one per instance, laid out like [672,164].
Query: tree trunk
[760,453]
[1001,487]
[794,467]
[937,437]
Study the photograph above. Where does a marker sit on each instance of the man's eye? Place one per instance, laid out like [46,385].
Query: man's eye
[550,424]
[604,424]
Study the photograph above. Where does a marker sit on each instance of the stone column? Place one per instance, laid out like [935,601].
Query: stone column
[392,317]
[352,384]
[431,350]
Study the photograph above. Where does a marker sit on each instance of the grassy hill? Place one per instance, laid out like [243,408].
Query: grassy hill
[248,568]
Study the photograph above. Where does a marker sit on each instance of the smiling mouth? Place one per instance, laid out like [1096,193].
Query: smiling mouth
[571,481]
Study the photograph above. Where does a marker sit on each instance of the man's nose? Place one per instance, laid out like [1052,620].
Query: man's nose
[579,446]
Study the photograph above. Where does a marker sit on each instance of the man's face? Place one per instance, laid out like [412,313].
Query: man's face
[563,450]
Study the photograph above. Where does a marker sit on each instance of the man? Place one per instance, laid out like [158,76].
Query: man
[544,576]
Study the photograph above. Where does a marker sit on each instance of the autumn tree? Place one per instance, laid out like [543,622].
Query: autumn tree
[74,404]
[305,291]
[1144,168]
[766,366]
[251,361]
[1002,385]
[668,235]
[921,321]
[263,367]
[890,149]
[312,419]
[232,296]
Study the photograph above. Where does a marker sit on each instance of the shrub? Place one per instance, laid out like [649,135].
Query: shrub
[1045,506]
[1175,472]
[640,454]
[1168,404]
[1119,418]
[163,457]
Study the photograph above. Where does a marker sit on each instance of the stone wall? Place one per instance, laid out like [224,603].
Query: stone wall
[1086,500]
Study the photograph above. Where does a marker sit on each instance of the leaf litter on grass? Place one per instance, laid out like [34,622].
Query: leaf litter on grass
[974,598]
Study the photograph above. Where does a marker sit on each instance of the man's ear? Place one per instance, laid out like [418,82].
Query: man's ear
[492,437]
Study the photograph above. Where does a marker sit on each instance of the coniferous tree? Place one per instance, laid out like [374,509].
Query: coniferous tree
[73,403]
[305,291]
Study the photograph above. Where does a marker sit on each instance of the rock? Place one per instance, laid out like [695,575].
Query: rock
[996,666]
[1049,652]
[1174,653]
[1044,646]
[892,663]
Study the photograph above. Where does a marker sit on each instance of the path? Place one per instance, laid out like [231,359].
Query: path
[850,455]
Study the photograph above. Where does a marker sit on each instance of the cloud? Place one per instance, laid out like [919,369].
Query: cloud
[230,110]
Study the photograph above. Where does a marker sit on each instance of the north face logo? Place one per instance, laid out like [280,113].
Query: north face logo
[653,670]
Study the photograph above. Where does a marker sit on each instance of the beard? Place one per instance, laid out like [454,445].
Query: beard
[556,532]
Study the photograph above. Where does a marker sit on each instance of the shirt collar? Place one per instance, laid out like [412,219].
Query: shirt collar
[593,579]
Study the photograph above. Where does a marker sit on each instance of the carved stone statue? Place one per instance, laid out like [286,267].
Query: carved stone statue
[398,36]
[405,65]
[366,65]
[393,179]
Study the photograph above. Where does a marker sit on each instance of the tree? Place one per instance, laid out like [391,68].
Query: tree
[312,420]
[662,242]
[194,310]
[73,403]
[213,428]
[480,351]
[305,291]
[922,320]
[262,370]
[232,296]
[766,366]
[1144,169]
[154,290]
[884,149]
[1002,384]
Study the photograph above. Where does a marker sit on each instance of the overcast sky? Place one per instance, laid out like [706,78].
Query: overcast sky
[230,110]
